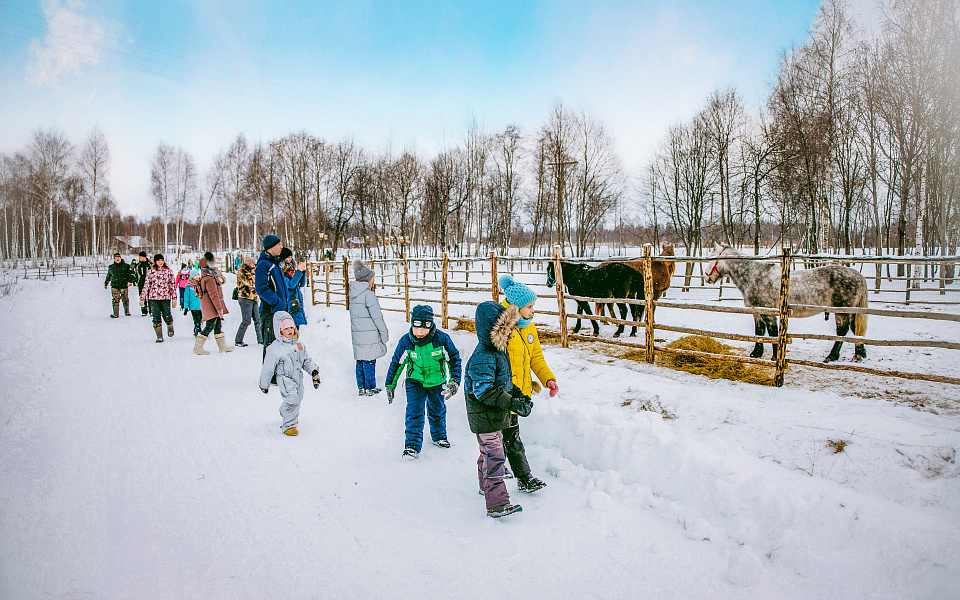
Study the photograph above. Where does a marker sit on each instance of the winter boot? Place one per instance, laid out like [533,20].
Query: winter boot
[291,432]
[126,308]
[159,329]
[442,444]
[503,510]
[372,391]
[198,345]
[363,392]
[411,454]
[221,343]
[116,311]
[529,485]
[170,329]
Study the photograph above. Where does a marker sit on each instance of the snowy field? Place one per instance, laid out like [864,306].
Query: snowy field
[132,469]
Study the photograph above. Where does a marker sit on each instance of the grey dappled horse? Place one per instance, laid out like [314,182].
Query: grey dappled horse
[832,285]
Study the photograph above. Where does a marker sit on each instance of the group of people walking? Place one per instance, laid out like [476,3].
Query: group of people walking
[497,380]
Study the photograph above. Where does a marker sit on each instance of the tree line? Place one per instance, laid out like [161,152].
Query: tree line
[857,146]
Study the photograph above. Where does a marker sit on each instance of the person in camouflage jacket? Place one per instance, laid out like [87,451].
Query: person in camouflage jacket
[119,278]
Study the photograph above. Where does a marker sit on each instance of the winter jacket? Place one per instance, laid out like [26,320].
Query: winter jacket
[526,354]
[294,282]
[246,288]
[487,385]
[288,359]
[140,269]
[183,278]
[211,298]
[269,284]
[190,299]
[119,275]
[159,285]
[432,360]
[370,333]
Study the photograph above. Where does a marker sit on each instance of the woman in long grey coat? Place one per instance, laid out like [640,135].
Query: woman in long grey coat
[369,332]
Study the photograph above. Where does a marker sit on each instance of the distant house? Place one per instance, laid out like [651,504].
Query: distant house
[134,244]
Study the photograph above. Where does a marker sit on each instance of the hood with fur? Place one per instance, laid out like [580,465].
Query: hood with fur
[495,324]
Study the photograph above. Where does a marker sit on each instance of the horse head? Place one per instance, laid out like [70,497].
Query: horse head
[719,266]
[667,250]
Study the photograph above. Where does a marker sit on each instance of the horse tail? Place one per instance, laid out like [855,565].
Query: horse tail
[860,320]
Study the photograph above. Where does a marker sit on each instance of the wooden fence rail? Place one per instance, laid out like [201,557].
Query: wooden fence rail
[444,286]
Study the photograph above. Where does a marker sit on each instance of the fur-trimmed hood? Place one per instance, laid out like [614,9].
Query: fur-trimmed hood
[495,324]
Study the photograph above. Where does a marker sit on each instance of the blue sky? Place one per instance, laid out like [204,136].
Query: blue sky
[404,74]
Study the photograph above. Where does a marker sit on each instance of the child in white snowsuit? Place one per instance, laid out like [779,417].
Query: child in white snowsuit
[288,359]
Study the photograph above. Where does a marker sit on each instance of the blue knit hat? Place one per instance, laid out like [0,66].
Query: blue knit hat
[270,240]
[421,312]
[517,293]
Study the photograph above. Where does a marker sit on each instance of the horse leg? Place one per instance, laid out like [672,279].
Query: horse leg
[623,317]
[635,314]
[760,327]
[596,325]
[576,328]
[773,329]
[843,326]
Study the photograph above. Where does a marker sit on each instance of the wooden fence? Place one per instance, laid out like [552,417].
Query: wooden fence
[412,279]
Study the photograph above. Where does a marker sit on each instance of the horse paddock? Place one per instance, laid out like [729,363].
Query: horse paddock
[908,349]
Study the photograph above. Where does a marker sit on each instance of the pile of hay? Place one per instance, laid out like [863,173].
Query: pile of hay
[465,325]
[712,367]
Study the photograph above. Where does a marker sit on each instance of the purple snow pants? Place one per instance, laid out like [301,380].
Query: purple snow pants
[490,469]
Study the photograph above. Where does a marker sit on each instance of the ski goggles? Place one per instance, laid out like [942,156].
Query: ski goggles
[421,324]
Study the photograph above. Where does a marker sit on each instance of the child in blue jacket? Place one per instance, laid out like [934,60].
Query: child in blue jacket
[491,395]
[433,376]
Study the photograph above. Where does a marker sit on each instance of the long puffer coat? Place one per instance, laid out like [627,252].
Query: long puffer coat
[287,358]
[370,333]
[159,285]
[211,299]
[487,385]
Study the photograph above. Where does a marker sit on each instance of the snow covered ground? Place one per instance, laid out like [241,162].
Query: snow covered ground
[131,469]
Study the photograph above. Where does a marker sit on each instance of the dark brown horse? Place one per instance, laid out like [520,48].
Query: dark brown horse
[611,281]
[662,272]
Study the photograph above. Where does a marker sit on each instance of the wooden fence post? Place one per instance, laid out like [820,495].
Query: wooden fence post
[648,300]
[313,290]
[326,274]
[346,284]
[443,292]
[561,309]
[781,356]
[493,277]
[909,272]
[406,286]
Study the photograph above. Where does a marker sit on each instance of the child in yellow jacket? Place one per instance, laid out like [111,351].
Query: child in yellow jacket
[526,355]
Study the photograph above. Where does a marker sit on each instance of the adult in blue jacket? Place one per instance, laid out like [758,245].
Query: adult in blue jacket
[270,286]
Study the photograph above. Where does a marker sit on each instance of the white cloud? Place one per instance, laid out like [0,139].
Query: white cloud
[74,40]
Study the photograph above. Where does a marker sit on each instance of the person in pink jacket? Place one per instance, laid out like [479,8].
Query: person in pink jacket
[159,289]
[183,280]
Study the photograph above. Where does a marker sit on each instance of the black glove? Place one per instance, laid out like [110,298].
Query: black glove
[316,378]
[264,390]
[522,405]
[450,390]
[390,393]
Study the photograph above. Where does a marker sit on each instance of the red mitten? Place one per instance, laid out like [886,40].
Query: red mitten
[553,388]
